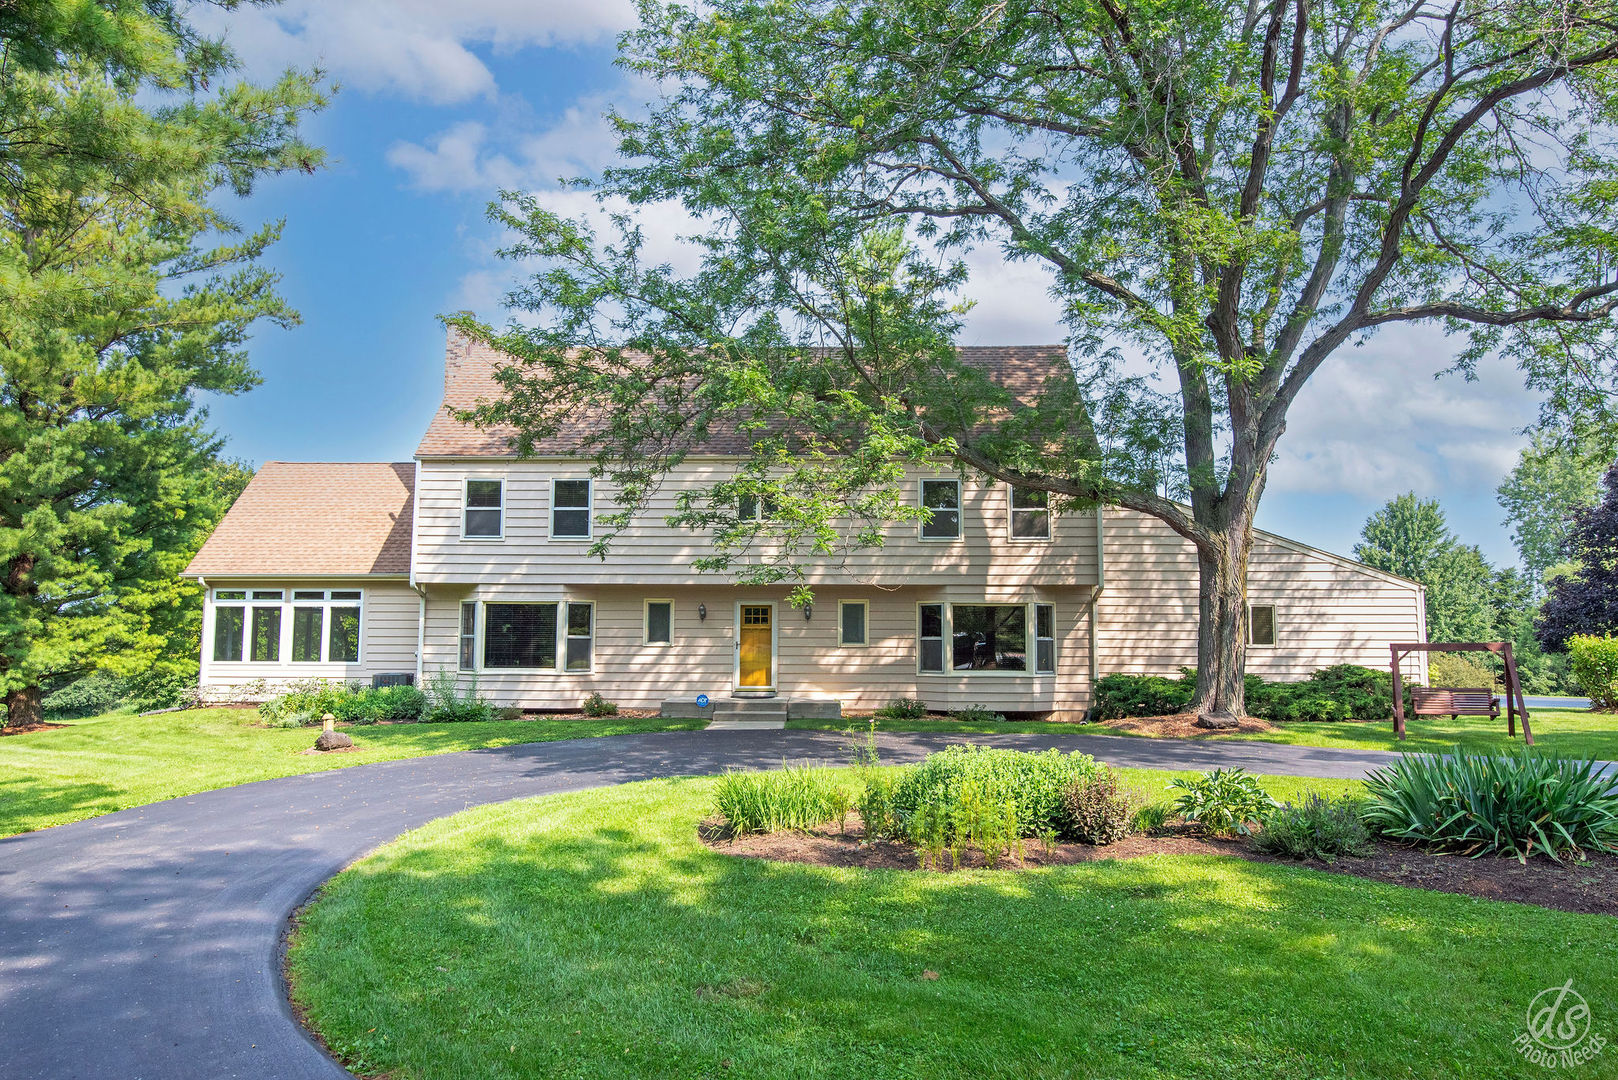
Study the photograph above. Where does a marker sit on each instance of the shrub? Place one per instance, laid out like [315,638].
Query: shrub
[946,782]
[598,706]
[903,709]
[1317,828]
[792,797]
[447,702]
[89,695]
[1118,696]
[875,804]
[1595,665]
[1223,801]
[1478,804]
[1100,810]
[1460,670]
[312,698]
[977,714]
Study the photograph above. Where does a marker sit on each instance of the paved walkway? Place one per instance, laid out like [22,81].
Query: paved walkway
[145,944]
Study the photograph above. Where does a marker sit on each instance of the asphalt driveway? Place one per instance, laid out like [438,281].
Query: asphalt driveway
[146,943]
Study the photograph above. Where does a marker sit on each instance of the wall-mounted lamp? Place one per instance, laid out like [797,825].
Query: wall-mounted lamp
[808,610]
[702,613]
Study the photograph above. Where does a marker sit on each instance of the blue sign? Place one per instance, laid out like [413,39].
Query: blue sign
[702,701]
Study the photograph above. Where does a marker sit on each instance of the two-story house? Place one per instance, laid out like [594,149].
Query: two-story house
[473,562]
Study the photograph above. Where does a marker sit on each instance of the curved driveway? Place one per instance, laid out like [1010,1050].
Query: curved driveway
[145,943]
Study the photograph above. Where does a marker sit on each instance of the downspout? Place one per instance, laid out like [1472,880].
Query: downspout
[1095,596]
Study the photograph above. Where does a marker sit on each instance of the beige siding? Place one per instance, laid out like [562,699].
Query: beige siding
[810,663]
[652,553]
[389,617]
[1327,610]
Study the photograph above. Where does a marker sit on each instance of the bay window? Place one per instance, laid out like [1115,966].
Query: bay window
[964,638]
[548,636]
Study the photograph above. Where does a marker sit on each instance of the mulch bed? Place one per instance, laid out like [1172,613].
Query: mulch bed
[1589,887]
[24,729]
[1184,726]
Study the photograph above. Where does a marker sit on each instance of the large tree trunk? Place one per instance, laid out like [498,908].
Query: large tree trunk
[23,707]
[1222,626]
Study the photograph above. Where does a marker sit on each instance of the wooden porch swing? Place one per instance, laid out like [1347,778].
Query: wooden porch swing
[1438,701]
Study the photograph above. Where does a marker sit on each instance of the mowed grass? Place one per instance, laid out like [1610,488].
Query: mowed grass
[120,760]
[592,935]
[1568,732]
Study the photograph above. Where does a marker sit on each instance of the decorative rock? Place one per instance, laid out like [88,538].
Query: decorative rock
[333,740]
[1217,721]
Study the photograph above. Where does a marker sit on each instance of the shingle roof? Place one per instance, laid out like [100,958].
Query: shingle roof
[469,378]
[320,518]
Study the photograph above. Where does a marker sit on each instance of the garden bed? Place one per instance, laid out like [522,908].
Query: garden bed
[1589,887]
[1184,726]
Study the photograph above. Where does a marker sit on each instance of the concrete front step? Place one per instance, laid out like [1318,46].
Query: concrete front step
[754,708]
[746,725]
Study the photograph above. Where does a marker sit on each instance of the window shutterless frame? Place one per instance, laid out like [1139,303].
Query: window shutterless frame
[545,637]
[982,642]
[483,508]
[468,651]
[1044,639]
[930,639]
[853,623]
[1261,625]
[298,627]
[1029,515]
[572,507]
[658,622]
[943,499]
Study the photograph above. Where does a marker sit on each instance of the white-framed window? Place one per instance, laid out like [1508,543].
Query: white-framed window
[659,622]
[978,638]
[578,654]
[1261,625]
[930,638]
[570,509]
[468,653]
[483,509]
[549,636]
[324,626]
[753,508]
[1044,639]
[853,622]
[942,500]
[1030,514]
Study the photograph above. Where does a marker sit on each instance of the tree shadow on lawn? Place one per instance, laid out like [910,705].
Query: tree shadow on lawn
[595,933]
[28,803]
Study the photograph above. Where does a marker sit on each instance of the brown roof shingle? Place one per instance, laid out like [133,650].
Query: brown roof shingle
[469,378]
[315,518]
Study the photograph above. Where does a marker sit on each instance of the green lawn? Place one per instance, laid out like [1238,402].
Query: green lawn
[120,760]
[1569,732]
[592,935]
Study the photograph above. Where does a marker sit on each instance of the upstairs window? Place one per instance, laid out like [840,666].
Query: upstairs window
[1030,514]
[570,509]
[753,508]
[1261,625]
[483,514]
[942,500]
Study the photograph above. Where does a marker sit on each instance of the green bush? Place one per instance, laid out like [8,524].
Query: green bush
[310,697]
[598,706]
[1461,671]
[1317,828]
[1342,692]
[903,709]
[1480,804]
[946,783]
[1223,801]
[89,695]
[792,797]
[1152,818]
[1099,809]
[977,714]
[446,702]
[1595,665]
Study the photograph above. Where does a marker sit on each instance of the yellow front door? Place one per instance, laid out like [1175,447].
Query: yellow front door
[755,638]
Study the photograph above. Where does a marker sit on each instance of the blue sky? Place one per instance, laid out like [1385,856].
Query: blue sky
[442,104]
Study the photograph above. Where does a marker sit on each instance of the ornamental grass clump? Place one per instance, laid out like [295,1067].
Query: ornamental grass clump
[1223,801]
[1482,804]
[791,797]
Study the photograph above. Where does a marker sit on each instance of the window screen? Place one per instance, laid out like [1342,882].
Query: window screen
[943,499]
[580,620]
[266,636]
[228,624]
[570,508]
[659,622]
[989,637]
[519,636]
[1030,515]
[343,644]
[931,634]
[1261,624]
[1044,639]
[308,624]
[469,635]
[485,508]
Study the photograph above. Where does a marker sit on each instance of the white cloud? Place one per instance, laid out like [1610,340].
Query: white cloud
[455,160]
[420,49]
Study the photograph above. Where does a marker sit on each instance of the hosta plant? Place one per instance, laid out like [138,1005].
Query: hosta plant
[1223,801]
